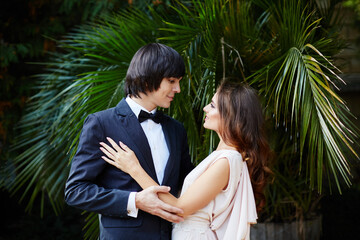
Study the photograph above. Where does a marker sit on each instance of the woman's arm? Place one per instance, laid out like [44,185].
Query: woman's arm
[198,195]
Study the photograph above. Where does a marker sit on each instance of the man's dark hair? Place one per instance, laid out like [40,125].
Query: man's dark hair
[150,64]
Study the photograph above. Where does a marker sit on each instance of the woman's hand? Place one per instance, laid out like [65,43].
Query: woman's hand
[121,156]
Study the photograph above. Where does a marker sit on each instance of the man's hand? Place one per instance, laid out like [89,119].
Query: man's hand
[148,201]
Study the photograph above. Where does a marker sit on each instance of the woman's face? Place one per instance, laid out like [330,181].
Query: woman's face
[212,117]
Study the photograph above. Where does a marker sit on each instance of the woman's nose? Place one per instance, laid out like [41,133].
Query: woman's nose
[204,109]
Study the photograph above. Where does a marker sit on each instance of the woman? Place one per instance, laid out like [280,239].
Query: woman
[218,195]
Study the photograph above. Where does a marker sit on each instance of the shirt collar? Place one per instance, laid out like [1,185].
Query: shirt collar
[136,108]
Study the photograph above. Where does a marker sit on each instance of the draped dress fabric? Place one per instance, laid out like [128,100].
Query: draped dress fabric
[230,214]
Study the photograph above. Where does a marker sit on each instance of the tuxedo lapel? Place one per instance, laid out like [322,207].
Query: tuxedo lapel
[170,141]
[136,135]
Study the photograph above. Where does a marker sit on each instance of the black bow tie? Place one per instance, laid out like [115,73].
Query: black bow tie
[157,117]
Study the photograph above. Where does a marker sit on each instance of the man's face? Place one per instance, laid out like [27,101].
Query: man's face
[165,94]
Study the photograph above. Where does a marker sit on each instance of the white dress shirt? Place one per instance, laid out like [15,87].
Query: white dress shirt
[159,149]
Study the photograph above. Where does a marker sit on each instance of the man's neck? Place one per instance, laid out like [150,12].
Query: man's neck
[143,101]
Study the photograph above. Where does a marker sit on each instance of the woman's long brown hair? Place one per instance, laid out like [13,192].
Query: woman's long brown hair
[242,126]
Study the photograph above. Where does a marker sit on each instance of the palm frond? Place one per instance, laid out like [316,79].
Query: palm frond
[303,98]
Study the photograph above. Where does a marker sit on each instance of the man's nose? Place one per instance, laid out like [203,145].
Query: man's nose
[177,88]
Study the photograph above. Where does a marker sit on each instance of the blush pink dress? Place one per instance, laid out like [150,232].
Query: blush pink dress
[229,215]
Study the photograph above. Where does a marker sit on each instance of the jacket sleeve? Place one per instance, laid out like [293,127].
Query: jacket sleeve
[82,189]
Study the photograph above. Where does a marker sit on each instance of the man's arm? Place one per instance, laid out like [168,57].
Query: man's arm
[81,189]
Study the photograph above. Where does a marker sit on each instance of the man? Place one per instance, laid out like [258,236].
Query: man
[159,142]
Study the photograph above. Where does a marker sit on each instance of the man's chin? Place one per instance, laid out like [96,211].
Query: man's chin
[164,106]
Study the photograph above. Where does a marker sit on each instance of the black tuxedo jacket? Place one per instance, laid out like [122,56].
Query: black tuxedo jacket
[94,185]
